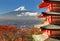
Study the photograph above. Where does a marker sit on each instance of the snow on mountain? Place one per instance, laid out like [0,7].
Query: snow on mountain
[20,8]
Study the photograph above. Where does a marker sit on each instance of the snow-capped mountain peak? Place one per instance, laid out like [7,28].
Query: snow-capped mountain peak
[21,8]
[21,11]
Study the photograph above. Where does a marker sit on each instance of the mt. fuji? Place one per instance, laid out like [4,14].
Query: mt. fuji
[21,11]
[19,17]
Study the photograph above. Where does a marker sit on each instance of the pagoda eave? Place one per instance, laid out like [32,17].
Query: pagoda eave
[45,4]
[48,14]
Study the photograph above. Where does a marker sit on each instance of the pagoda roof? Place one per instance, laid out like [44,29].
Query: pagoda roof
[51,27]
[44,14]
[51,0]
[45,3]
[51,13]
[42,5]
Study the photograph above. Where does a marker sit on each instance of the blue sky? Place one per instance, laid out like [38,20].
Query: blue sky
[10,5]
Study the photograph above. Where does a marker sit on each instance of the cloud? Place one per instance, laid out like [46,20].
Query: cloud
[21,8]
[31,14]
[20,15]
[28,14]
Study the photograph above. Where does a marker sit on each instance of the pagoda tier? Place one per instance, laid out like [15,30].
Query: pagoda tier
[53,7]
[50,18]
[50,5]
[45,3]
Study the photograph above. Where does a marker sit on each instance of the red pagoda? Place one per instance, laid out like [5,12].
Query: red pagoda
[52,15]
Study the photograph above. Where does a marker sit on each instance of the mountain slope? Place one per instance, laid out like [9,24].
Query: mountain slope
[21,11]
